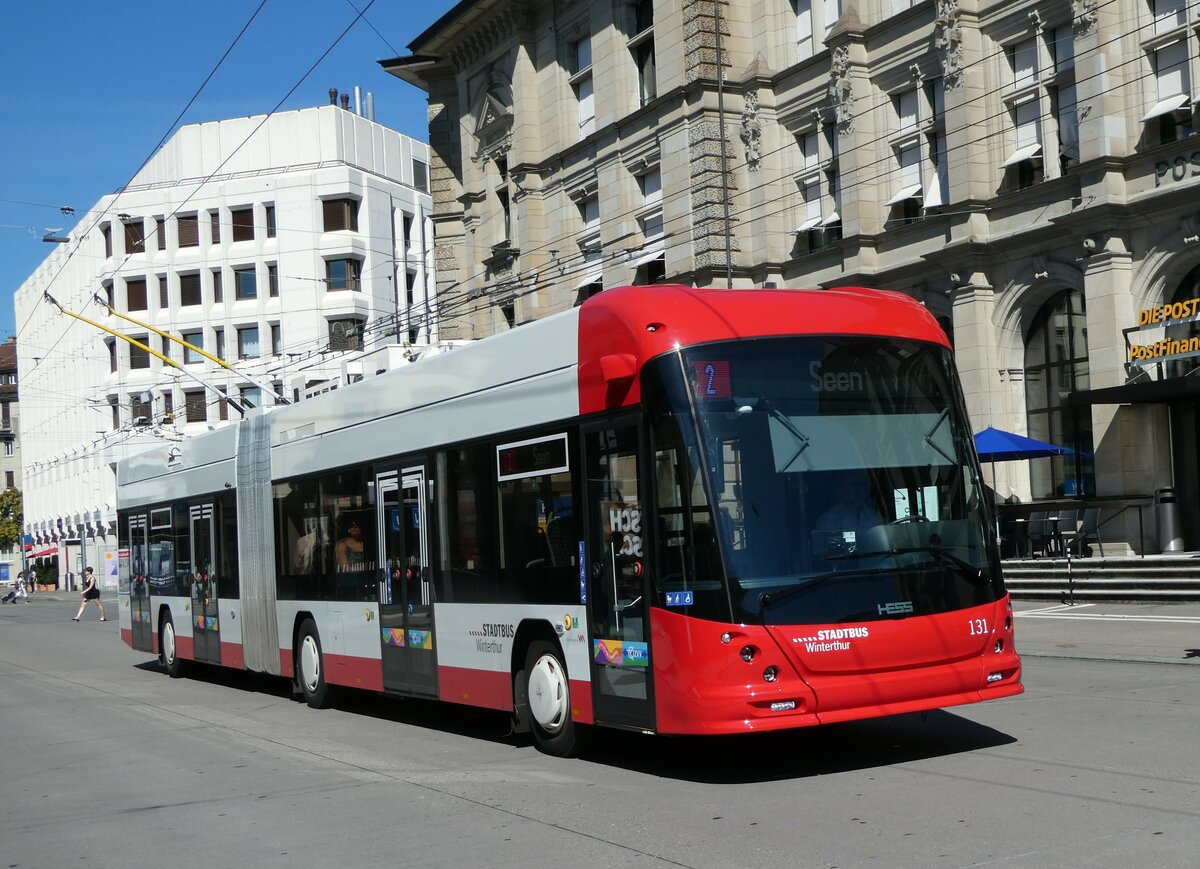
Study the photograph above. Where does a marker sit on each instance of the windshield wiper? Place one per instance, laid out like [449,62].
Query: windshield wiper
[942,417]
[801,437]
[938,552]
[770,597]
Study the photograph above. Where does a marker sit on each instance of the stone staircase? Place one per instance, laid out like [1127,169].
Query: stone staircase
[1158,578]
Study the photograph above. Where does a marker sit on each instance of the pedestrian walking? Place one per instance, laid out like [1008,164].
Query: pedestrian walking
[90,593]
[22,587]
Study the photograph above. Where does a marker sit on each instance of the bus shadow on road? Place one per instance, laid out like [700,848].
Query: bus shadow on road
[792,754]
[740,759]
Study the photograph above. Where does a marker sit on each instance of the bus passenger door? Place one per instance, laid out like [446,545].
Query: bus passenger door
[405,595]
[618,592]
[205,625]
[139,589]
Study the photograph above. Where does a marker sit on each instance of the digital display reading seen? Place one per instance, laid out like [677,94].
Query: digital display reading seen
[711,379]
[531,458]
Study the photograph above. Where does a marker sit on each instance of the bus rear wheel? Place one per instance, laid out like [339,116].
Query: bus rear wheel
[548,693]
[310,666]
[168,649]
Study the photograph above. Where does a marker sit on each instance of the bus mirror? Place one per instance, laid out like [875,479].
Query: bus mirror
[615,367]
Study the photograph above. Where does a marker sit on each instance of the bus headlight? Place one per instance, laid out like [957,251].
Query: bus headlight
[771,674]
[748,653]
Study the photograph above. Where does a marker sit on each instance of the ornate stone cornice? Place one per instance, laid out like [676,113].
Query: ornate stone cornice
[947,39]
[490,33]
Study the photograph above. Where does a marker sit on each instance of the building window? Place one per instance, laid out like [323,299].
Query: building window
[160,230]
[219,343]
[1169,119]
[187,230]
[589,279]
[197,340]
[223,405]
[650,264]
[342,274]
[106,234]
[112,355]
[273,280]
[247,338]
[189,289]
[251,396]
[420,173]
[245,283]
[641,46]
[135,295]
[135,237]
[214,220]
[195,407]
[139,357]
[10,479]
[1023,165]
[270,215]
[1056,365]
[241,224]
[340,214]
[820,221]
[579,66]
[139,409]
[814,20]
[346,334]
[906,145]
[937,186]
[276,340]
[168,406]
[115,407]
[164,295]
[8,448]
[218,289]
[107,288]
[1062,97]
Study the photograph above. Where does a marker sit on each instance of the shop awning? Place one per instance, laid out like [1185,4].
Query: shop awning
[592,277]
[811,223]
[910,192]
[1146,392]
[44,553]
[1165,107]
[1028,152]
[648,257]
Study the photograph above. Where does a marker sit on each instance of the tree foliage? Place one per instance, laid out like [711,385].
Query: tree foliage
[11,518]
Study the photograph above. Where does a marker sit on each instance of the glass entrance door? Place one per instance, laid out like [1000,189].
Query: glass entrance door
[618,592]
[205,622]
[136,577]
[405,595]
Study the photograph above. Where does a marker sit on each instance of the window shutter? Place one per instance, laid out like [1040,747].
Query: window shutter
[335,214]
[189,231]
[243,224]
[197,411]
[135,237]
[160,230]
[135,294]
[215,220]
[189,289]
[164,296]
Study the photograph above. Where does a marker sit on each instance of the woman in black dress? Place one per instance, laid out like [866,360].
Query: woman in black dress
[90,593]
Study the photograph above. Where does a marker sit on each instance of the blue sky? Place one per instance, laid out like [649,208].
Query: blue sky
[90,89]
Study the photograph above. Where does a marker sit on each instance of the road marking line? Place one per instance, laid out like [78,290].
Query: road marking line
[1112,617]
[1062,607]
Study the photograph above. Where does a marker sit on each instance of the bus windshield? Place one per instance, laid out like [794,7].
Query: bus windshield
[808,480]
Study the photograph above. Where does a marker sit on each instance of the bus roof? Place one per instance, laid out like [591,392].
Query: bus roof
[623,328]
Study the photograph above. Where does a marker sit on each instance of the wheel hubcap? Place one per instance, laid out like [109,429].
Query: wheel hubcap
[168,643]
[310,667]
[548,694]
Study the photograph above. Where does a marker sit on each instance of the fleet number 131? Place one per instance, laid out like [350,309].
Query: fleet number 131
[977,627]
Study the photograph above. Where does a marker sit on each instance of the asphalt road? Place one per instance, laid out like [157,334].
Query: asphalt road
[106,762]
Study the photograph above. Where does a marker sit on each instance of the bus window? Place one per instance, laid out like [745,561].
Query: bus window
[537,522]
[469,575]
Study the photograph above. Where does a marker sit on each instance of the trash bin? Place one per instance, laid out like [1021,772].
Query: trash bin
[1166,515]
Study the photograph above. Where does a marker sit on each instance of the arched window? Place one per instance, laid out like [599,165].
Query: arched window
[1056,365]
[1188,289]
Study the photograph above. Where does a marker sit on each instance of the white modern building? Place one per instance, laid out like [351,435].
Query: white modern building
[293,246]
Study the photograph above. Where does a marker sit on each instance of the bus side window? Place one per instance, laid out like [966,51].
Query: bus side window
[470,571]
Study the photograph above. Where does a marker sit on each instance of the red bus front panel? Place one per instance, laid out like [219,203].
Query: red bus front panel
[827,673]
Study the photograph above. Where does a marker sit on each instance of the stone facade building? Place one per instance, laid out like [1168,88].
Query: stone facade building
[292,246]
[1025,168]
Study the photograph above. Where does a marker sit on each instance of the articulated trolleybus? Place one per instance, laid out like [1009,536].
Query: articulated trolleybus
[672,510]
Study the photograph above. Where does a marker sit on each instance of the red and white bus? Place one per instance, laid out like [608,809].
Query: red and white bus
[669,509]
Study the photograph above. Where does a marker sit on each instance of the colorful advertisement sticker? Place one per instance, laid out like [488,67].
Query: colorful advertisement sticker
[621,653]
[393,637]
[420,640]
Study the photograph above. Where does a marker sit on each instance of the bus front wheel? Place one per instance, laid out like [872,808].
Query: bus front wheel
[548,693]
[310,666]
[168,649]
